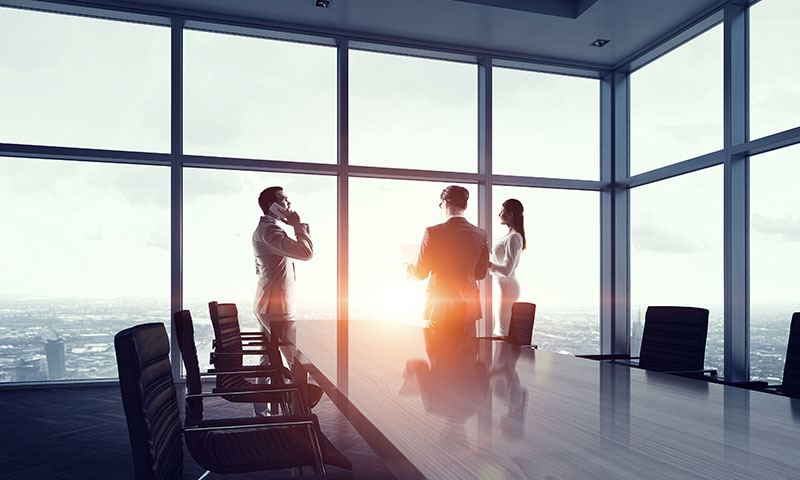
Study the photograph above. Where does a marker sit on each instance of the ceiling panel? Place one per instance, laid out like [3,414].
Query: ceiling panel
[629,24]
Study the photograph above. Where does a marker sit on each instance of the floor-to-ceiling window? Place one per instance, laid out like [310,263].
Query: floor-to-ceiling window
[85,245]
[676,224]
[774,200]
[547,125]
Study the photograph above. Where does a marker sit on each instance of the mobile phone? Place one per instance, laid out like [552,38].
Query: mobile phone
[279,211]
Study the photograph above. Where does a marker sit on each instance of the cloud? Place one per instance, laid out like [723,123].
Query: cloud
[650,237]
[786,226]
[94,235]
[160,237]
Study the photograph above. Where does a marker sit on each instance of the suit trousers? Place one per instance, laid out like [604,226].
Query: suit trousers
[280,329]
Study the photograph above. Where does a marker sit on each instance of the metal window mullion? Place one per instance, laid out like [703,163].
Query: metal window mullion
[342,227]
[736,198]
[176,187]
[620,215]
[606,215]
[485,177]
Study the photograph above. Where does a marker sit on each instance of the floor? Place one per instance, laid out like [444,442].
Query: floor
[80,433]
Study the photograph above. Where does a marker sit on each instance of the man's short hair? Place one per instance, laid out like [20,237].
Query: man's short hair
[457,196]
[268,196]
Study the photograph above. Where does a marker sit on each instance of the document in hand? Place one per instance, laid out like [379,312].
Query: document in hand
[409,252]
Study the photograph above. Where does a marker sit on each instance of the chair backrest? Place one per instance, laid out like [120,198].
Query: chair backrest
[228,335]
[674,338]
[791,368]
[520,328]
[148,397]
[184,328]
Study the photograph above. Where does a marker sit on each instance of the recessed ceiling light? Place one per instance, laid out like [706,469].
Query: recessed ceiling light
[600,43]
[322,3]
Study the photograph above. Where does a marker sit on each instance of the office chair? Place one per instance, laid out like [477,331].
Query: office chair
[673,341]
[520,327]
[230,349]
[228,346]
[289,397]
[790,387]
[229,445]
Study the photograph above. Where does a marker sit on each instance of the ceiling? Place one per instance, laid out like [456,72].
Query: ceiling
[541,28]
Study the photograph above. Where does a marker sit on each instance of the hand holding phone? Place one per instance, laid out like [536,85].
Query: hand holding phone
[278,211]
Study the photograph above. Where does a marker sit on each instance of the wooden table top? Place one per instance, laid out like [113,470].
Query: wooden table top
[445,407]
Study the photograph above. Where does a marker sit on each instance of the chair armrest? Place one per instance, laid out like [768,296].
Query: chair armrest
[267,394]
[711,371]
[240,352]
[243,368]
[252,334]
[491,338]
[751,385]
[265,390]
[608,356]
[251,422]
[248,370]
[245,373]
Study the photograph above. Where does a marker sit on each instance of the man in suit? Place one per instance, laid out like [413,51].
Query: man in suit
[456,255]
[275,251]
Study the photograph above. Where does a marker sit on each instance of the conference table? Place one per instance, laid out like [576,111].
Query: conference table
[436,406]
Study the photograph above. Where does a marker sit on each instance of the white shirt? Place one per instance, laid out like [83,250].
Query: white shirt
[506,255]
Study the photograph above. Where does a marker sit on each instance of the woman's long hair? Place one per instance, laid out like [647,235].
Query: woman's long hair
[514,206]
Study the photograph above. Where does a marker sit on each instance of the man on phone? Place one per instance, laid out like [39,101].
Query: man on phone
[456,255]
[275,251]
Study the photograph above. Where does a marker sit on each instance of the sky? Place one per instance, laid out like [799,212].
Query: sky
[86,229]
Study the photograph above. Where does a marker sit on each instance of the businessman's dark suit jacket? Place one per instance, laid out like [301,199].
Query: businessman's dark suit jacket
[456,255]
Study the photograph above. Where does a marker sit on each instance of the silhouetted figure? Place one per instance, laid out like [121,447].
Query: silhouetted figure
[275,252]
[505,260]
[456,255]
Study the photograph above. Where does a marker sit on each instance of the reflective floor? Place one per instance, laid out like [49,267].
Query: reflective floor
[80,433]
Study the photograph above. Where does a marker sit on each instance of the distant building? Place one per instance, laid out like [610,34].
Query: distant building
[636,334]
[56,359]
[30,370]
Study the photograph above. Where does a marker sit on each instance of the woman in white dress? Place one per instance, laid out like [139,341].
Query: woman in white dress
[506,253]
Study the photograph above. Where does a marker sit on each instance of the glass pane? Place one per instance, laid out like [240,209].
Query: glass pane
[387,220]
[411,112]
[88,256]
[545,125]
[676,104]
[83,82]
[774,67]
[559,270]
[774,259]
[220,214]
[256,98]
[676,252]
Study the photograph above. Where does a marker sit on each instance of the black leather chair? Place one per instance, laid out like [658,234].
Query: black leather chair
[229,342]
[791,367]
[219,445]
[230,350]
[289,397]
[673,341]
[520,327]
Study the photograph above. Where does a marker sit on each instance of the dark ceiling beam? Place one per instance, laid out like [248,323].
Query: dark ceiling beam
[556,8]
